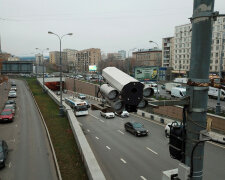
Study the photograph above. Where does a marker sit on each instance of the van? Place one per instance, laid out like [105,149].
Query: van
[169,86]
[178,92]
[213,93]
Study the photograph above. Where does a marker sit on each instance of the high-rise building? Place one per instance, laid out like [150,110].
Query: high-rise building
[148,57]
[167,51]
[114,56]
[182,47]
[54,57]
[39,59]
[87,57]
[71,55]
[122,54]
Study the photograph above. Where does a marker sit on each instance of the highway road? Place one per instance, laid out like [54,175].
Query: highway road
[121,155]
[211,102]
[30,156]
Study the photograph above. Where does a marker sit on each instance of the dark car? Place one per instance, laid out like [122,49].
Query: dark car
[136,128]
[3,153]
[163,86]
[11,101]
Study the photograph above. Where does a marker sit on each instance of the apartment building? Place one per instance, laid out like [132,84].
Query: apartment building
[148,57]
[114,56]
[182,47]
[167,51]
[71,55]
[39,59]
[122,54]
[54,57]
[87,57]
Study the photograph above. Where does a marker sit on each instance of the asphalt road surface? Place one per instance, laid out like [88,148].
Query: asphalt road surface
[122,155]
[30,157]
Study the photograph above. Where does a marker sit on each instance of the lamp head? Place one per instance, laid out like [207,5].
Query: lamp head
[49,32]
[70,34]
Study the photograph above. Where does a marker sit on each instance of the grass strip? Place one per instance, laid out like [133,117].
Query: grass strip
[68,156]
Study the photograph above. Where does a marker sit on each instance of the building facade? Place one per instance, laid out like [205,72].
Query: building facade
[167,51]
[148,57]
[182,47]
[54,57]
[13,58]
[122,54]
[39,59]
[87,57]
[114,56]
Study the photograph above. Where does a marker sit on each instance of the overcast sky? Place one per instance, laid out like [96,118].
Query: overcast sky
[110,25]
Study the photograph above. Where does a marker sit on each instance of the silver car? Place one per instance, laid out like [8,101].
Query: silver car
[12,94]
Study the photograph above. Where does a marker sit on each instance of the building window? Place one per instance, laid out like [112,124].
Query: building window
[216,68]
[217,54]
[210,67]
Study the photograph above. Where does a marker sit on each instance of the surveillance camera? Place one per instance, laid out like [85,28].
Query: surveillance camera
[130,89]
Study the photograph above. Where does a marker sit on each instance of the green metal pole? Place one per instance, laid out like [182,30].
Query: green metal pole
[199,74]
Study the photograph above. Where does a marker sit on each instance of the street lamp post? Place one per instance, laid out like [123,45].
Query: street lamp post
[43,74]
[61,110]
[218,106]
[157,70]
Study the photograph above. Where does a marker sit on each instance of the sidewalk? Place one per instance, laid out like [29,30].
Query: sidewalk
[3,94]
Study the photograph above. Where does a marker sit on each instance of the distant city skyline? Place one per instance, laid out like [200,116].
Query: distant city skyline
[108,25]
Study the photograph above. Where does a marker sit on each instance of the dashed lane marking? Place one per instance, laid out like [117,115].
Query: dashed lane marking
[152,151]
[120,132]
[142,177]
[101,120]
[97,137]
[108,147]
[123,160]
[88,130]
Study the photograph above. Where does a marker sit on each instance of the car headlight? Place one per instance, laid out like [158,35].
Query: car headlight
[138,132]
[1,160]
[147,131]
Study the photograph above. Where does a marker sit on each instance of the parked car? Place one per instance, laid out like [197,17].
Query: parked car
[10,107]
[123,114]
[136,128]
[168,126]
[12,94]
[156,91]
[6,116]
[151,84]
[13,88]
[3,153]
[107,115]
[10,101]
[81,96]
[163,86]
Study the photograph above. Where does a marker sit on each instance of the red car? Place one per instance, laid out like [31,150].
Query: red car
[6,115]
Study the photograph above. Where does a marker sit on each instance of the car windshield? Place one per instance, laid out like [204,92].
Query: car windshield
[1,150]
[9,107]
[6,113]
[138,125]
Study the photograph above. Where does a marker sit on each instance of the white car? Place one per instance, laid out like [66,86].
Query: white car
[156,91]
[123,114]
[13,88]
[12,94]
[107,115]
[167,128]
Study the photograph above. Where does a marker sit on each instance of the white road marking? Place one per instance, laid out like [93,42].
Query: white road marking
[96,137]
[142,177]
[120,131]
[121,119]
[152,151]
[81,124]
[123,160]
[88,130]
[94,116]
[108,147]
[101,120]
[10,165]
[16,125]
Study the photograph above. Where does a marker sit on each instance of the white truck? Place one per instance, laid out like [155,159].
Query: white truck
[169,86]
[178,92]
[213,93]
[181,80]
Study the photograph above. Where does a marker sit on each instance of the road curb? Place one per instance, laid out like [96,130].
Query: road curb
[48,135]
